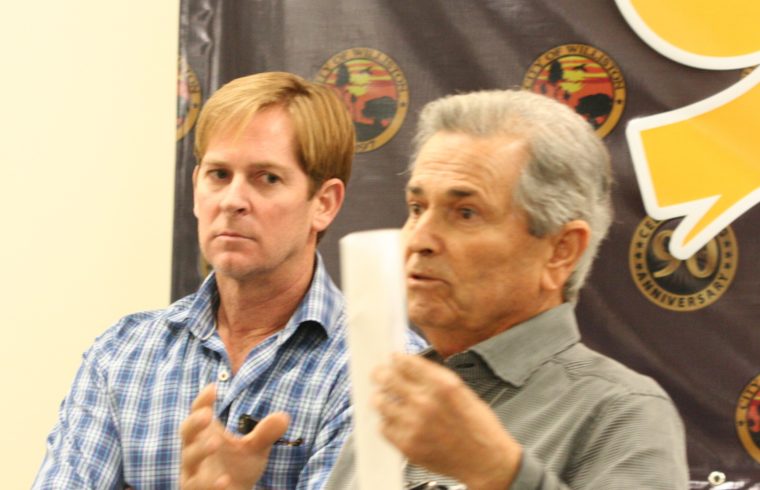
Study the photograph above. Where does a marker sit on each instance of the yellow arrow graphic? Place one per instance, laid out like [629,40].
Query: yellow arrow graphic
[701,162]
[709,34]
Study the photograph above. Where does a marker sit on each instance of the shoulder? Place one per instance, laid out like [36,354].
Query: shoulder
[586,367]
[138,331]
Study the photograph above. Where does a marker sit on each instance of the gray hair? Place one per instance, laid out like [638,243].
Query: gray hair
[568,175]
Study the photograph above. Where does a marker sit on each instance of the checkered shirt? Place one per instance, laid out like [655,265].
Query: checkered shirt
[118,426]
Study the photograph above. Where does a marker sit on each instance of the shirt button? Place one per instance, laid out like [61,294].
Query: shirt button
[223,375]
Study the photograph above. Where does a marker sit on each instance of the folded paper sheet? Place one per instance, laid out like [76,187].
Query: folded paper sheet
[373,282]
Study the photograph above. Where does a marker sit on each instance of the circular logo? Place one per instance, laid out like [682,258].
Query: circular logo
[748,418]
[584,78]
[188,98]
[375,91]
[681,285]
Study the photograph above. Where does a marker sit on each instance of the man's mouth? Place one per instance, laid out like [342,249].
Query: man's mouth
[232,235]
[423,277]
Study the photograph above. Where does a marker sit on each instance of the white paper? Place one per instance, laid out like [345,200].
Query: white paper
[372,277]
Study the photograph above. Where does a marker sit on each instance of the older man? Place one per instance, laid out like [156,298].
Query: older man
[509,198]
[267,326]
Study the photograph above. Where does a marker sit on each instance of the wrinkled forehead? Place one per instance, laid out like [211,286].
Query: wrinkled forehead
[455,166]
[460,155]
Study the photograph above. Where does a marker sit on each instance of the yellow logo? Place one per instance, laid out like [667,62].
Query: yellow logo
[375,91]
[748,418]
[699,33]
[701,161]
[584,78]
[675,284]
[188,98]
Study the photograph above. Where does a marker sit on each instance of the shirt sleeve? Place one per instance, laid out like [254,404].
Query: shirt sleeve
[636,441]
[83,450]
[343,476]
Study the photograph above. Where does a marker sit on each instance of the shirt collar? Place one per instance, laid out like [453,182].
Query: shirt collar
[516,353]
[197,312]
[322,305]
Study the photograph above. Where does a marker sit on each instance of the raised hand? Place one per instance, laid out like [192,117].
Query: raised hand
[213,458]
[439,423]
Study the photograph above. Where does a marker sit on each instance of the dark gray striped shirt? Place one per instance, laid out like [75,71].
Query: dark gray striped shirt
[584,420]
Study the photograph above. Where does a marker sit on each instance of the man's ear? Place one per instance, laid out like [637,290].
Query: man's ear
[195,183]
[327,202]
[568,246]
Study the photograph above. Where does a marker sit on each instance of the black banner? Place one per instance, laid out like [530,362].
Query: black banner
[691,324]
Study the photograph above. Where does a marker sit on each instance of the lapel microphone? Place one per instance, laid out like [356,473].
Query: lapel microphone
[246,424]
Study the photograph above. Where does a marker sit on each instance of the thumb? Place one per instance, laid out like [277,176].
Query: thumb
[268,431]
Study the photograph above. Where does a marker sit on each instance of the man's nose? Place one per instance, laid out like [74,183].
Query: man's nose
[422,234]
[237,197]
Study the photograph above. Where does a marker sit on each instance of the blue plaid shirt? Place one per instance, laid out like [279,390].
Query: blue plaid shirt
[119,424]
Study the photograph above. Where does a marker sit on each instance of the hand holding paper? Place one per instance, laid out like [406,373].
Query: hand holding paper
[373,283]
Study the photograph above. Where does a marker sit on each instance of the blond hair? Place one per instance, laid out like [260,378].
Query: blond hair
[324,131]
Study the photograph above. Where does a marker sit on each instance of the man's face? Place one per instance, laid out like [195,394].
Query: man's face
[254,218]
[473,269]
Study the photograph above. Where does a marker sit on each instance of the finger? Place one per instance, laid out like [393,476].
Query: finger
[194,424]
[381,373]
[198,440]
[195,454]
[205,398]
[222,482]
[415,368]
[389,388]
[204,482]
[199,447]
[268,431]
[394,423]
[390,408]
[392,381]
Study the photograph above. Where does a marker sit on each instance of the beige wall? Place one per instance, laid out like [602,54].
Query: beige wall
[87,126]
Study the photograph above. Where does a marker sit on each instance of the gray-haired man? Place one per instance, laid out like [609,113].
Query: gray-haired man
[509,198]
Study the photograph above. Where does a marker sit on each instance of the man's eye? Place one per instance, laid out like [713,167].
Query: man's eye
[219,174]
[271,178]
[415,209]
[467,213]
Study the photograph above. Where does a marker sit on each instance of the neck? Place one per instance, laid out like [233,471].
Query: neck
[250,311]
[446,345]
[450,341]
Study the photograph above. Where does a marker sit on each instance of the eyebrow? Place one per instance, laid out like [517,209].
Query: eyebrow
[255,165]
[456,193]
